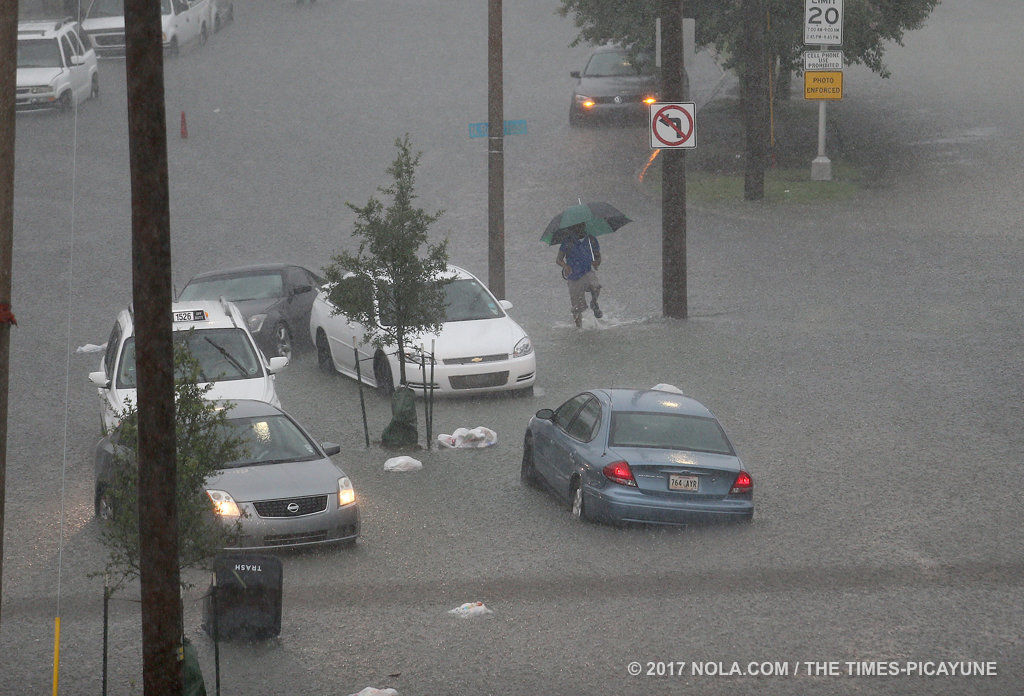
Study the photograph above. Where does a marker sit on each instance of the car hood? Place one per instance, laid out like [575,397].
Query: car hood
[463,339]
[102,23]
[274,481]
[645,457]
[256,306]
[28,77]
[611,86]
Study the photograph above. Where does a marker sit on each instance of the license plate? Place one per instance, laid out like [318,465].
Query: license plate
[682,483]
[190,315]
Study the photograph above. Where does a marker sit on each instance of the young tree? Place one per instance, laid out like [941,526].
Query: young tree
[204,443]
[398,292]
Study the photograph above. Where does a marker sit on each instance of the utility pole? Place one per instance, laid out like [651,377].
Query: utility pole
[754,95]
[8,71]
[162,673]
[495,154]
[673,169]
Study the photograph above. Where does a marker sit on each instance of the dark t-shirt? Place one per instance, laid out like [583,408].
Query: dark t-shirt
[578,255]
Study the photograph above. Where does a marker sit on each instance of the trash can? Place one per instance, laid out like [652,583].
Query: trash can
[244,601]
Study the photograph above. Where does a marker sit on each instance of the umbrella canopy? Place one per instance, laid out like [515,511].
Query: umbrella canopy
[598,218]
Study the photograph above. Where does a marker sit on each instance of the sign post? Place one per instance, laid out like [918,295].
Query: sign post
[823,26]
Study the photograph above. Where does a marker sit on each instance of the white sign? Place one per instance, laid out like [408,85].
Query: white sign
[823,22]
[823,60]
[672,125]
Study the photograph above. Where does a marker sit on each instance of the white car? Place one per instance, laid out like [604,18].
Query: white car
[216,335]
[56,66]
[480,348]
[182,22]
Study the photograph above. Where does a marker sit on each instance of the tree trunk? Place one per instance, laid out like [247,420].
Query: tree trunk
[753,75]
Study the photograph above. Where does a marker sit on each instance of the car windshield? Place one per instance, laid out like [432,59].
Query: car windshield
[39,53]
[468,300]
[616,64]
[256,286]
[668,431]
[223,355]
[270,440]
[107,8]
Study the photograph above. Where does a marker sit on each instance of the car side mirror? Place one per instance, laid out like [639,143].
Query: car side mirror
[277,363]
[331,448]
[545,414]
[505,304]
[575,73]
[99,378]
[78,60]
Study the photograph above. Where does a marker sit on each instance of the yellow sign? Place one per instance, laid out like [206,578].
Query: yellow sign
[823,85]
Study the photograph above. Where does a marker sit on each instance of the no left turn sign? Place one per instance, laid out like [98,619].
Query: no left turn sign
[672,126]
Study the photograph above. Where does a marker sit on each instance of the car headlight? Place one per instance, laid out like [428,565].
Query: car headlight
[256,322]
[41,89]
[223,504]
[346,494]
[524,347]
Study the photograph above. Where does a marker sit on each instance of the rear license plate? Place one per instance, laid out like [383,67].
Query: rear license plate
[682,483]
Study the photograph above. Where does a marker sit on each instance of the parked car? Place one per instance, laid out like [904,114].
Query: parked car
[57,66]
[284,490]
[216,336]
[614,83]
[275,300]
[635,455]
[480,348]
[182,22]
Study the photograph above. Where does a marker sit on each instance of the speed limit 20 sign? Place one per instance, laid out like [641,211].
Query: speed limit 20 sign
[823,22]
[672,125]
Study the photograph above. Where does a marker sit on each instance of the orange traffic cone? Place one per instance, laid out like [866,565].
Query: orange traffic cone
[184,128]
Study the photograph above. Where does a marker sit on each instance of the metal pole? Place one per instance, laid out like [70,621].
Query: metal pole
[362,402]
[106,625]
[216,634]
[9,62]
[673,171]
[495,154]
[430,421]
[821,167]
[159,575]
[426,404]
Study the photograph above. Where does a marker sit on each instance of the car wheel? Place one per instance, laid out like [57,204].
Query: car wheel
[578,510]
[323,353]
[283,340]
[94,92]
[64,103]
[528,472]
[382,373]
[203,35]
[103,508]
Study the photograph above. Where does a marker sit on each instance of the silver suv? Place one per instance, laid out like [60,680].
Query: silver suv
[56,66]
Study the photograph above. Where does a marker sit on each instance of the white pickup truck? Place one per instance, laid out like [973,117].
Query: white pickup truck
[183,22]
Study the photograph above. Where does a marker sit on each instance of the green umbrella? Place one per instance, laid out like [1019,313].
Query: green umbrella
[598,218]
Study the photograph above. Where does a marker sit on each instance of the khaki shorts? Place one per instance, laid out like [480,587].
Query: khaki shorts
[578,289]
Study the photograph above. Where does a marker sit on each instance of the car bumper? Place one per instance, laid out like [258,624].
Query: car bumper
[474,378]
[621,504]
[332,526]
[36,103]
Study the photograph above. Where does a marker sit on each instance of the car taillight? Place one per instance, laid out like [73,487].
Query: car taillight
[743,484]
[619,472]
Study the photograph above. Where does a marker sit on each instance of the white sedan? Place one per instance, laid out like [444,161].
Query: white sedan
[480,348]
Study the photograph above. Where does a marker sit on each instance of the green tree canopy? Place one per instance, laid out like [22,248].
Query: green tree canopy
[388,286]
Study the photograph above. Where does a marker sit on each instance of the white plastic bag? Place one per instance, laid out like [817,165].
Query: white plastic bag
[464,437]
[402,463]
[471,609]
[667,388]
[91,348]
[371,691]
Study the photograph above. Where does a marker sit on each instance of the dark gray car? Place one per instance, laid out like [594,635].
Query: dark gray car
[275,300]
[614,83]
[284,491]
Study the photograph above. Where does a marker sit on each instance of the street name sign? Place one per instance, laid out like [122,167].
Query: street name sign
[672,125]
[823,22]
[823,85]
[479,130]
[823,60]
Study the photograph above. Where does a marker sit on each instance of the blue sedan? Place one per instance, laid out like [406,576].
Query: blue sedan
[636,455]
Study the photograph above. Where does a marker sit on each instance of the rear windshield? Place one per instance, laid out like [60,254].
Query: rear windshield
[668,431]
[270,440]
[223,355]
[257,286]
